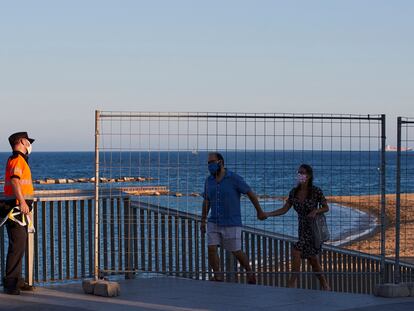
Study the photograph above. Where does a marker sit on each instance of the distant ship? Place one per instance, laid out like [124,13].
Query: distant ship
[389,148]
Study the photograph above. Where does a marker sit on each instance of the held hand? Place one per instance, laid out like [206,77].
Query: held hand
[24,208]
[313,213]
[262,215]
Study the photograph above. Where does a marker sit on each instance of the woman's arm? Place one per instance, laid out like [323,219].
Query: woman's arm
[280,211]
[323,209]
[323,203]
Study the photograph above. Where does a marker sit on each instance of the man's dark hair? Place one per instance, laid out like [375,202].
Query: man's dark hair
[218,156]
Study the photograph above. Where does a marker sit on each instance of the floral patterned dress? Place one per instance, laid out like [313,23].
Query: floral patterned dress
[306,242]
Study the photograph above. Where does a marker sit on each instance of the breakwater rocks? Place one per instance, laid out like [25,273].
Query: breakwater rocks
[51,181]
[155,191]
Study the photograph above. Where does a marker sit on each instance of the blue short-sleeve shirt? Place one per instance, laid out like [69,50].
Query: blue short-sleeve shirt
[224,198]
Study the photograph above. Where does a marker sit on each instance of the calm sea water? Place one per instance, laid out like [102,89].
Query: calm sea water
[272,173]
[269,173]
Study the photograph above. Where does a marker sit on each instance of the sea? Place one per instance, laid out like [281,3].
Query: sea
[271,175]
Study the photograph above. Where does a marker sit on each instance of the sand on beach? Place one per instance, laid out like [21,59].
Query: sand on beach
[372,204]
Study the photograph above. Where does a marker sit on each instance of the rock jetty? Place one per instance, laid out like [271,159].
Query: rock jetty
[51,181]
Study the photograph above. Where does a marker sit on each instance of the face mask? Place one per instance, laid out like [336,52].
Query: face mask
[29,148]
[301,178]
[213,168]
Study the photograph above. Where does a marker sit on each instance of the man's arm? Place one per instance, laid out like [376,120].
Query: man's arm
[255,201]
[204,213]
[17,189]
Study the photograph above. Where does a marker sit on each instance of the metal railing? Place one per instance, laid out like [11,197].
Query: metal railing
[62,244]
[152,239]
[170,242]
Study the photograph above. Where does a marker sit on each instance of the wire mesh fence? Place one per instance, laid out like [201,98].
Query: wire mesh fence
[151,169]
[404,200]
[160,161]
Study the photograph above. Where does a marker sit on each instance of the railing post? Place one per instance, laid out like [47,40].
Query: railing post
[96,246]
[383,201]
[128,239]
[398,205]
[30,254]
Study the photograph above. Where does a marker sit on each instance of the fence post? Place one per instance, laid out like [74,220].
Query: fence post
[398,205]
[96,263]
[383,200]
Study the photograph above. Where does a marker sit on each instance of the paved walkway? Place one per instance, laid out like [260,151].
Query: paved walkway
[172,294]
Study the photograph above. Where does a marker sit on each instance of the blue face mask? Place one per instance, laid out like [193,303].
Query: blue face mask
[213,168]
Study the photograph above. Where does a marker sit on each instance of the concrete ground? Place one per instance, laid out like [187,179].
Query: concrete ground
[173,294]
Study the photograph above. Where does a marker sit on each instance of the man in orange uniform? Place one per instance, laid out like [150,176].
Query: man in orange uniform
[18,190]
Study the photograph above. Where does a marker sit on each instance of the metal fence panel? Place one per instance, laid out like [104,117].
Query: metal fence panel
[150,173]
[404,200]
[160,160]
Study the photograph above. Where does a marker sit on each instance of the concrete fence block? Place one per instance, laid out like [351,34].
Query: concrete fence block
[102,288]
[107,289]
[410,286]
[88,286]
[391,290]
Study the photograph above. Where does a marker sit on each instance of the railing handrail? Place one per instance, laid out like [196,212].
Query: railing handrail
[68,194]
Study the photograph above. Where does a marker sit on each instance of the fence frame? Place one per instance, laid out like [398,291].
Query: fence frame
[345,258]
[401,122]
[99,115]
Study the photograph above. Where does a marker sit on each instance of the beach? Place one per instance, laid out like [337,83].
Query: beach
[372,204]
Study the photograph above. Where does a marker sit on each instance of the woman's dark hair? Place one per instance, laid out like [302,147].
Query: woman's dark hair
[309,171]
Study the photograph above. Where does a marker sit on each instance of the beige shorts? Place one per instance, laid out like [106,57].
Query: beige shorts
[227,237]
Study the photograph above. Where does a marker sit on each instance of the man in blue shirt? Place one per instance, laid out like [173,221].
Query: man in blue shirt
[222,192]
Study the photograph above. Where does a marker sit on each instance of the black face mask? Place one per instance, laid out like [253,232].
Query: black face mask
[214,168]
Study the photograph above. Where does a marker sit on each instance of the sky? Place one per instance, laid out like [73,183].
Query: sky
[62,60]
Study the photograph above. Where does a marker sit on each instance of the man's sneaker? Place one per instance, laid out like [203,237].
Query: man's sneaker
[9,291]
[26,287]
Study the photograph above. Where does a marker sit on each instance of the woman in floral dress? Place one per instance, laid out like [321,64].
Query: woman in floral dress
[305,199]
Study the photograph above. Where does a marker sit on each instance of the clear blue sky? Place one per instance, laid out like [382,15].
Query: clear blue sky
[61,60]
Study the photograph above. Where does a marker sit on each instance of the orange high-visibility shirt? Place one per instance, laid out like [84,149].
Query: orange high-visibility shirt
[17,167]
